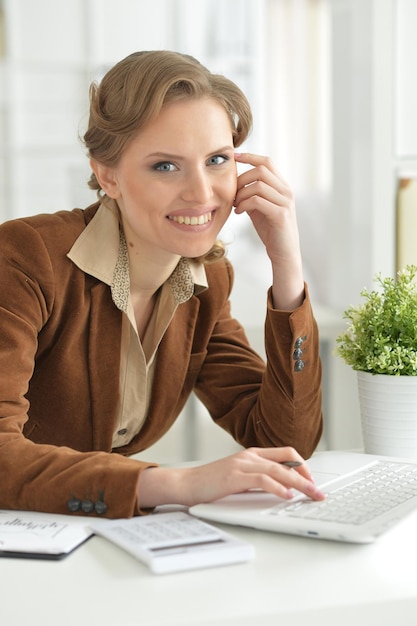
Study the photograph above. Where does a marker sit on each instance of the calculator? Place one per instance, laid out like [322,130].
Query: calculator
[174,541]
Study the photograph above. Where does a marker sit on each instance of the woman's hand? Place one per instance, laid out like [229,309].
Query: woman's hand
[267,199]
[254,468]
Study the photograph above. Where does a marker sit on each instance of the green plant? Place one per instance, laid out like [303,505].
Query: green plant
[382,332]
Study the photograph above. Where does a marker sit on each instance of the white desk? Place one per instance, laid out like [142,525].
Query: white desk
[292,580]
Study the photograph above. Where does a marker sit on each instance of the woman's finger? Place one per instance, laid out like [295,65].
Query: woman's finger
[267,465]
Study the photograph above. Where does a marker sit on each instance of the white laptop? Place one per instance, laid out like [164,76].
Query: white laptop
[366,495]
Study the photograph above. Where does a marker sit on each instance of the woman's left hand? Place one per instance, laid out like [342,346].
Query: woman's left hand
[264,195]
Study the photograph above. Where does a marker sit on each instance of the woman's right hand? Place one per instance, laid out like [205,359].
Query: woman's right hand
[252,468]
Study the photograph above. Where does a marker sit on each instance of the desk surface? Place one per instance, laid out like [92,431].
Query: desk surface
[305,581]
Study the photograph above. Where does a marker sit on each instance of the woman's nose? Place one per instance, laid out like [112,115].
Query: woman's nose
[197,188]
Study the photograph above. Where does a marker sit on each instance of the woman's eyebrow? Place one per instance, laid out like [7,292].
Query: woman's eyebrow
[163,155]
[167,155]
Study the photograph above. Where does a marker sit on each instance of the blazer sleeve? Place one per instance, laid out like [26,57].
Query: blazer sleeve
[41,476]
[274,404]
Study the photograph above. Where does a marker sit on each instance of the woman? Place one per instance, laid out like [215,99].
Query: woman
[112,315]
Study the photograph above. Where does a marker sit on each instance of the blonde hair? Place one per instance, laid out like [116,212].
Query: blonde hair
[132,94]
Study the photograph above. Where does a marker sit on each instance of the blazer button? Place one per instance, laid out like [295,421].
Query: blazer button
[299,341]
[100,507]
[73,505]
[87,506]
[297,354]
[299,365]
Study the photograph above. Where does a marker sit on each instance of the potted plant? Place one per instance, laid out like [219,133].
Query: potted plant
[380,343]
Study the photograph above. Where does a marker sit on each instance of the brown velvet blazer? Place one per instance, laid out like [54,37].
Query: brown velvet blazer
[59,370]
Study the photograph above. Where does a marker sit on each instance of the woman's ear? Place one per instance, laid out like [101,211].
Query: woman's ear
[106,177]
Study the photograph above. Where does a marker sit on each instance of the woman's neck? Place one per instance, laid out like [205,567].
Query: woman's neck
[148,275]
[149,268]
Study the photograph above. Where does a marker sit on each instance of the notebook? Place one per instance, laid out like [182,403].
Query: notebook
[365,496]
[32,535]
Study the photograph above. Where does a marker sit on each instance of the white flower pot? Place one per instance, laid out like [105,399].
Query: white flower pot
[388,407]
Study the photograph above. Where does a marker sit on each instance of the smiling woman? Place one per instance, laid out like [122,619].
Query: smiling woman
[111,316]
[180,166]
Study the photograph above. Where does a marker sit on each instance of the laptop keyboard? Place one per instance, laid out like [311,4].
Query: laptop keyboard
[371,492]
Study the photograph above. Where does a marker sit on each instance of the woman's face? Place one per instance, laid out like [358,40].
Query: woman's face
[176,181]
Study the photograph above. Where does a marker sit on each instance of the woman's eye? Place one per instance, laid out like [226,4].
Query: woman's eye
[165,166]
[217,159]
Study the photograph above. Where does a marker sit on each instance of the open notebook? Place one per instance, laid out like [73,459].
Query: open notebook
[28,534]
[366,495]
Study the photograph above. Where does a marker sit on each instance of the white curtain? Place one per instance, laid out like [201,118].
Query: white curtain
[297,60]
[293,111]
